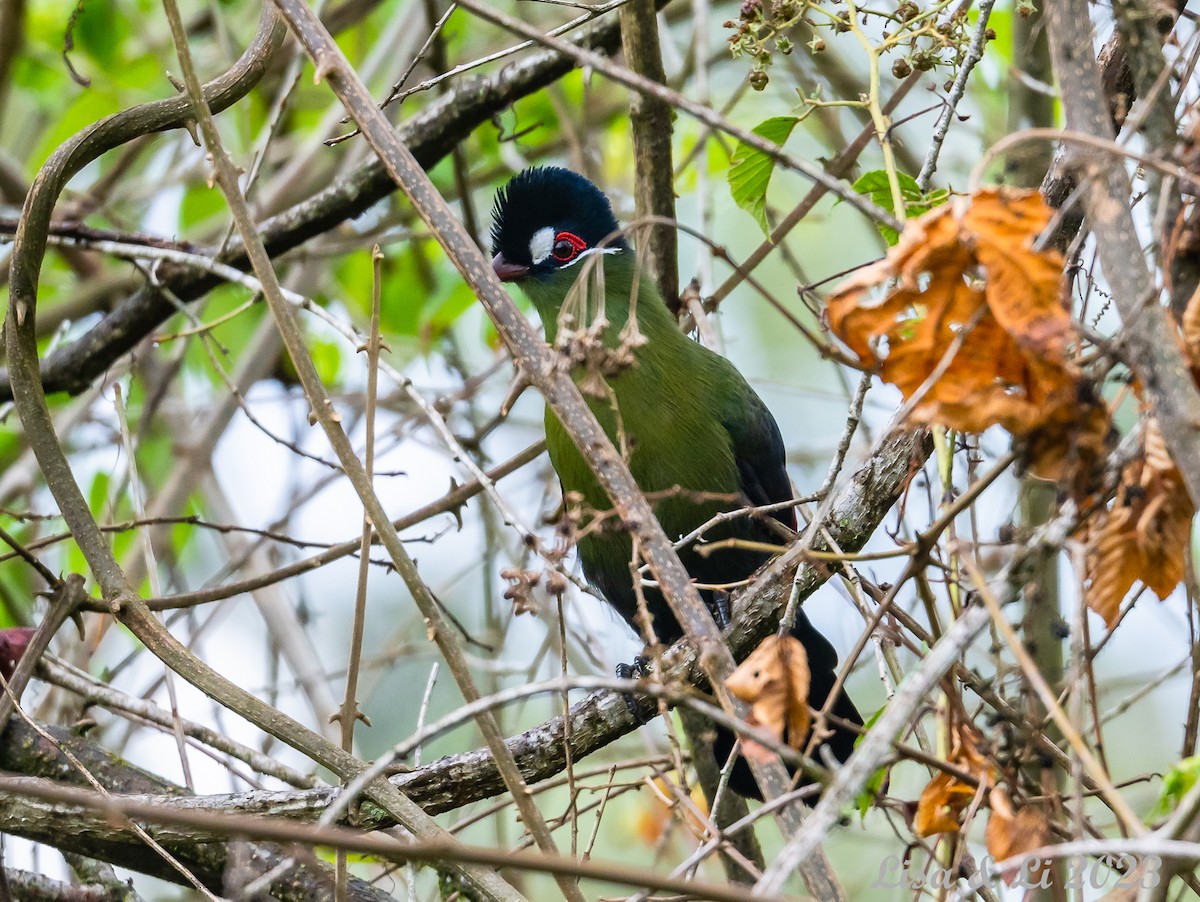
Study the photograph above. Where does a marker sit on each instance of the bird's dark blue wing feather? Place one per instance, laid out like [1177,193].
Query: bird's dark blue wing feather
[760,454]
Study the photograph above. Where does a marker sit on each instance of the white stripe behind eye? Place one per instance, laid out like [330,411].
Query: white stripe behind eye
[588,252]
[542,244]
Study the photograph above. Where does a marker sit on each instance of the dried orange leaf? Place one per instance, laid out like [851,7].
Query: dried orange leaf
[752,749]
[1145,536]
[1070,447]
[1015,831]
[940,808]
[972,328]
[1189,326]
[651,821]
[944,799]
[773,681]
[654,815]
[1023,285]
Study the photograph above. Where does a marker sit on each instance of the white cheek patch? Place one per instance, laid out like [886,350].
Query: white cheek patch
[541,244]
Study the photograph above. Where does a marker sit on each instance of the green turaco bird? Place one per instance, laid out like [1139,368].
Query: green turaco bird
[699,441]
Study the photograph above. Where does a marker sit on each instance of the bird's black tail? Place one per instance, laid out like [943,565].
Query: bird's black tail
[822,665]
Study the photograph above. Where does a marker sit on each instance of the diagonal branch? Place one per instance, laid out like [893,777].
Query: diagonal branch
[24,750]
[324,414]
[455,781]
[540,366]
[1153,344]
[431,134]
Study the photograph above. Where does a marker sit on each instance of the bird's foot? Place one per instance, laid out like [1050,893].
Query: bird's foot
[721,611]
[641,667]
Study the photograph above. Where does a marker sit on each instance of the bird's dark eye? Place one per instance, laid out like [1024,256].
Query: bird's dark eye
[566,247]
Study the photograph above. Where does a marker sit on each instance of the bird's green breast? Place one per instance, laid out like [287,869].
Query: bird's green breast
[674,412]
[665,412]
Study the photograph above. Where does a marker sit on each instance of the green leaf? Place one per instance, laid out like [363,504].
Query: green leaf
[876,186]
[327,358]
[1176,783]
[866,799]
[98,496]
[438,320]
[751,169]
[200,203]
[100,30]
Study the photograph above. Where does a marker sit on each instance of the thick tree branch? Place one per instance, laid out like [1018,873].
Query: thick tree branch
[1154,348]
[24,750]
[454,781]
[650,118]
[79,803]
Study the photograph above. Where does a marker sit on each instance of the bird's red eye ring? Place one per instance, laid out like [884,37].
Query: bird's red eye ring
[566,247]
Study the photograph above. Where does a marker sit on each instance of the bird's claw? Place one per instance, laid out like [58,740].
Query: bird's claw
[721,611]
[641,667]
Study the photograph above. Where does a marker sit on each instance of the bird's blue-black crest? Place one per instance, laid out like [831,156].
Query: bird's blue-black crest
[549,196]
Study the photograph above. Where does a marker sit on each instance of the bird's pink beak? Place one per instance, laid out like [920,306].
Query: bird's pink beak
[508,272]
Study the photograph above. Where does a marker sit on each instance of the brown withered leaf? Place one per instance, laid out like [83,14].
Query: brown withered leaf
[975,328]
[1189,327]
[752,750]
[1023,285]
[657,808]
[773,681]
[1014,831]
[940,808]
[944,799]
[1183,243]
[1070,446]
[1146,534]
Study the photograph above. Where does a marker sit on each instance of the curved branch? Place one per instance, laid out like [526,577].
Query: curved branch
[120,128]
[430,135]
[30,402]
[26,751]
[596,721]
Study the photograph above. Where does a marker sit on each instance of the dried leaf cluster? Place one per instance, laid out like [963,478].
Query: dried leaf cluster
[946,797]
[947,801]
[974,331]
[1014,831]
[967,317]
[1144,537]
